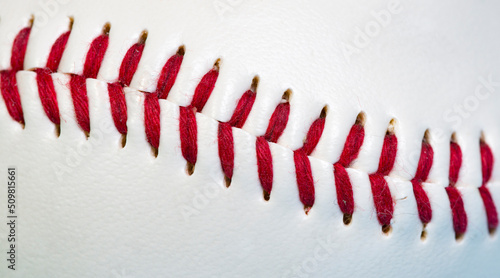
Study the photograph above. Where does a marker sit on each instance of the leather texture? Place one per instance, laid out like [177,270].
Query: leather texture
[90,208]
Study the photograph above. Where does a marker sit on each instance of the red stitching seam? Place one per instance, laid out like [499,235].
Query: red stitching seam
[383,201]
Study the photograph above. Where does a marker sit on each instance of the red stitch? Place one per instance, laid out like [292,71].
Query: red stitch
[118,106]
[44,80]
[423,169]
[8,79]
[243,109]
[455,162]
[204,89]
[152,119]
[264,165]
[388,155]
[456,202]
[95,56]
[188,133]
[47,94]
[187,119]
[382,199]
[19,49]
[313,136]
[80,101]
[78,82]
[352,145]
[303,170]
[425,162]
[168,76]
[225,134]
[11,96]
[226,149]
[278,122]
[130,63]
[304,178]
[489,204]
[381,193]
[57,51]
[345,197]
[486,162]
[423,204]
[115,90]
[491,210]
[458,211]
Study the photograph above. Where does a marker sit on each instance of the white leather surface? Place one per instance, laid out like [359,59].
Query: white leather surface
[117,212]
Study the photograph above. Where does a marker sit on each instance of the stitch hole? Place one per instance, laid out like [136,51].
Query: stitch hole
[227,181]
[189,168]
[106,28]
[267,195]
[361,119]
[71,22]
[32,19]
[143,37]
[324,112]
[286,96]
[492,231]
[181,51]
[392,126]
[123,140]
[58,130]
[255,84]
[154,151]
[453,137]
[482,138]
[423,235]
[427,136]
[307,209]
[217,64]
[386,229]
[459,236]
[347,219]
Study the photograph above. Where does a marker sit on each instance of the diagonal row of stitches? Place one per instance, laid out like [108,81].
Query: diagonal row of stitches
[382,198]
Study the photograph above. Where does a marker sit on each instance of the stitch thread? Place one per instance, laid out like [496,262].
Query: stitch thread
[45,83]
[423,169]
[91,67]
[381,193]
[152,121]
[168,74]
[277,124]
[10,93]
[225,134]
[456,203]
[118,107]
[226,150]
[151,113]
[345,197]
[303,170]
[48,95]
[264,166]
[189,134]
[487,169]
[383,201]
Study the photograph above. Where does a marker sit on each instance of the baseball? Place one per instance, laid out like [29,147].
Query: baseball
[229,138]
